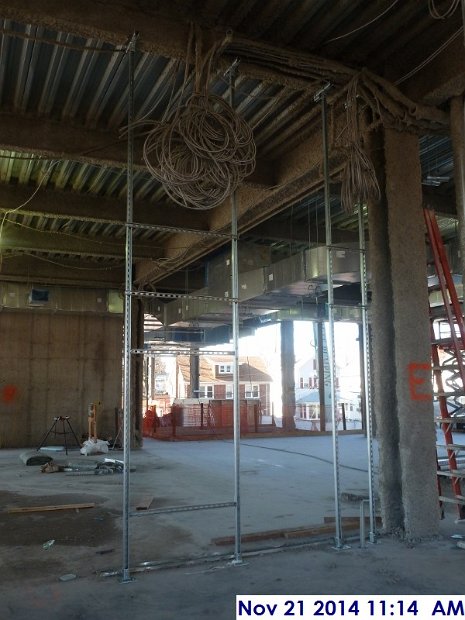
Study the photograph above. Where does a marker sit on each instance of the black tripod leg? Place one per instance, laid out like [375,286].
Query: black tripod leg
[52,428]
[78,443]
[63,420]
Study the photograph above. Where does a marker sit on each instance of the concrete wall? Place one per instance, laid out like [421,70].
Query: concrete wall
[55,365]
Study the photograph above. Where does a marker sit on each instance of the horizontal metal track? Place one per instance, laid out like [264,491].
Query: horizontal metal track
[162,351]
[178,229]
[171,509]
[179,296]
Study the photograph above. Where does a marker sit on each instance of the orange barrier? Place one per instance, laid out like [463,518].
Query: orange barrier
[212,417]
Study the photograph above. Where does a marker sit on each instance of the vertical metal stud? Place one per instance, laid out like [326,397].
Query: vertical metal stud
[128,314]
[235,335]
[366,371]
[331,345]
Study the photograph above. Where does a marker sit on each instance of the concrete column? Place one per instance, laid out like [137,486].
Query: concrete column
[363,387]
[321,375]
[412,347]
[383,359]
[287,374]
[457,125]
[194,375]
[137,367]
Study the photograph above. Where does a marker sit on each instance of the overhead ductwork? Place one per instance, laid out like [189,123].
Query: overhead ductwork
[262,284]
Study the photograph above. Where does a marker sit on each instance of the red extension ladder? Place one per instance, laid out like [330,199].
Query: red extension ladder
[448,362]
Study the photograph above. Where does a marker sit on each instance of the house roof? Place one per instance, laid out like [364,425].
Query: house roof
[251,369]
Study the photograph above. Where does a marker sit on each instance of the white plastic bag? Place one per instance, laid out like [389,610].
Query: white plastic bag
[94,447]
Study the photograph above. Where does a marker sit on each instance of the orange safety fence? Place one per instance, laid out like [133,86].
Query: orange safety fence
[212,417]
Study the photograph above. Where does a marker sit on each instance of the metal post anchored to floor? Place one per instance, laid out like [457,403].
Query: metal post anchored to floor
[126,577]
[366,371]
[235,334]
[362,521]
[321,96]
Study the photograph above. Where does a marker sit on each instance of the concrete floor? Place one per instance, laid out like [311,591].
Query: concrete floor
[286,483]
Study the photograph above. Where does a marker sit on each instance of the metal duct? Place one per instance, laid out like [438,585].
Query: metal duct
[21,296]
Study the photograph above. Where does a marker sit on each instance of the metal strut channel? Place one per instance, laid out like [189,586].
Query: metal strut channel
[367,372]
[171,509]
[161,351]
[191,231]
[321,96]
[126,577]
[180,296]
[235,335]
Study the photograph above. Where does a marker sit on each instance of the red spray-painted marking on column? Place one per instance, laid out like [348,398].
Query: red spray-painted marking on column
[419,374]
[9,393]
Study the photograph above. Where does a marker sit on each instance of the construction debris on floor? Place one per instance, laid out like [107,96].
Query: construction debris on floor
[74,468]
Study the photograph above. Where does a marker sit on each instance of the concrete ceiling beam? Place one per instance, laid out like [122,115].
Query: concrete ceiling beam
[443,204]
[32,269]
[254,207]
[439,80]
[15,237]
[67,142]
[86,207]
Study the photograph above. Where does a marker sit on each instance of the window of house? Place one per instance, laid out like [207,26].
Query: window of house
[252,391]
[206,391]
[225,369]
[301,382]
[229,391]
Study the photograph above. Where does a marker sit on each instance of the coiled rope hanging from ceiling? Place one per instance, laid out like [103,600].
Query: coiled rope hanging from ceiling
[203,149]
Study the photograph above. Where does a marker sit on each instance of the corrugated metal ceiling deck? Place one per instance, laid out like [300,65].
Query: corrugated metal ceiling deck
[80,82]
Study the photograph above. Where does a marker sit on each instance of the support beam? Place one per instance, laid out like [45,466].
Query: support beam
[61,140]
[298,174]
[287,374]
[384,372]
[441,202]
[194,360]
[412,347]
[440,79]
[321,372]
[457,122]
[33,269]
[16,237]
[99,209]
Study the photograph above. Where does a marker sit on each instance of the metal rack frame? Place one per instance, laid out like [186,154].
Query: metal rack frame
[129,351]
[130,226]
[339,541]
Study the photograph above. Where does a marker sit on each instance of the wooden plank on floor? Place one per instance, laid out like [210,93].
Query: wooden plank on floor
[22,509]
[144,503]
[303,531]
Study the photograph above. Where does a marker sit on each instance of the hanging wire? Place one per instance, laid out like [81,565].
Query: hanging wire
[359,182]
[436,13]
[431,57]
[372,21]
[203,149]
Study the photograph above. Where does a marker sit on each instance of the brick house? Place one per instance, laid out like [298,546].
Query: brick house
[216,379]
